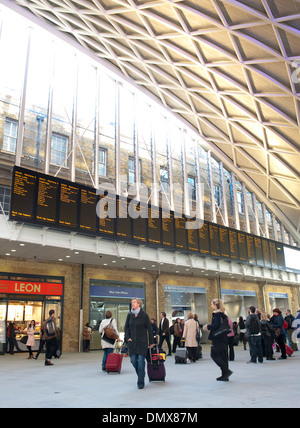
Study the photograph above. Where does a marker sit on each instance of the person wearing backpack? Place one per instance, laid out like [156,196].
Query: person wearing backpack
[277,321]
[254,337]
[51,337]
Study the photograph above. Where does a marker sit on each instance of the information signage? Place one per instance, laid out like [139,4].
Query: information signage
[50,201]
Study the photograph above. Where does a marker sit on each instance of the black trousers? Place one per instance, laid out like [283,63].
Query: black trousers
[51,347]
[161,341]
[219,354]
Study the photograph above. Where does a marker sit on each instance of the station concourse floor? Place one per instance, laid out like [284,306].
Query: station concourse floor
[77,381]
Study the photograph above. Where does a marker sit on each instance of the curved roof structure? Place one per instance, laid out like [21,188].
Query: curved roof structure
[230,68]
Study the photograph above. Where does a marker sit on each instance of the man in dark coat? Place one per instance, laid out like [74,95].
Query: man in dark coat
[164,332]
[138,335]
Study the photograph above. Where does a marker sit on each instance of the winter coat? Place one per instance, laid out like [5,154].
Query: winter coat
[215,324]
[30,333]
[231,326]
[104,323]
[189,333]
[277,322]
[139,330]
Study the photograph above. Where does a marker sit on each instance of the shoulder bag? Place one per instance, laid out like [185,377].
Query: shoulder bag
[109,332]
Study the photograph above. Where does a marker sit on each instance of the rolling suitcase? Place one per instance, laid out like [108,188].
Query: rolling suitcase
[181,356]
[289,351]
[114,362]
[155,367]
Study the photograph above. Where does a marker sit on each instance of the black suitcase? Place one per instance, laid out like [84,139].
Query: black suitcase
[181,356]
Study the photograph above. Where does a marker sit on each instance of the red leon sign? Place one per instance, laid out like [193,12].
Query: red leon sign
[31,287]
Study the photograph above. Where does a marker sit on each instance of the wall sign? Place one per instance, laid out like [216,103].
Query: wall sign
[31,287]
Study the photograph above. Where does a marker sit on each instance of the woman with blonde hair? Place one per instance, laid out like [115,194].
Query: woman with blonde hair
[191,327]
[219,353]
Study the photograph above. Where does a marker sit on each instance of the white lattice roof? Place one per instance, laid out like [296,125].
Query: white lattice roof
[230,68]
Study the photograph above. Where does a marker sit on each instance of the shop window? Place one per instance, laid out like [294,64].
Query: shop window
[10,135]
[237,302]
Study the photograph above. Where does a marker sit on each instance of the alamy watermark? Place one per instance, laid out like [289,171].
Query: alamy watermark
[138,206]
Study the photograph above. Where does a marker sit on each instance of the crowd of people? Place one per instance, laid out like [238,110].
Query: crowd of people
[263,333]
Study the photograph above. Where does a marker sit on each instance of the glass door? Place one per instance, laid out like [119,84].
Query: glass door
[97,314]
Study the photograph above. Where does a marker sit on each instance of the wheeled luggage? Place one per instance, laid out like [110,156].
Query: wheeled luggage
[155,366]
[181,356]
[289,351]
[114,362]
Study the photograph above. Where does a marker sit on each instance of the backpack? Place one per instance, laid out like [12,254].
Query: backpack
[172,329]
[50,327]
[254,327]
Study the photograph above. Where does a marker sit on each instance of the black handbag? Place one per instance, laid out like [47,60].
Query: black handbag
[223,329]
[24,339]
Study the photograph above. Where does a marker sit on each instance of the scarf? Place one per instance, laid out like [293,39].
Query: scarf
[135,312]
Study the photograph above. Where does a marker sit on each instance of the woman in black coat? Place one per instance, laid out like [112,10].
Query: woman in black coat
[138,336]
[219,352]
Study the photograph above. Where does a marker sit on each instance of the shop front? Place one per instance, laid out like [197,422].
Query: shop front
[24,298]
[278,300]
[113,296]
[237,302]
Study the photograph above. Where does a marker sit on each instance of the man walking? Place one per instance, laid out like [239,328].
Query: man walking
[164,332]
[254,336]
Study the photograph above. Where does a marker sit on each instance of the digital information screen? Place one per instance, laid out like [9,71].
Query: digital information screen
[46,205]
[87,211]
[140,221]
[204,240]
[168,230]
[68,206]
[258,251]
[234,252]
[250,249]
[23,195]
[193,236]
[242,247]
[50,201]
[154,226]
[224,242]
[123,219]
[214,240]
[180,233]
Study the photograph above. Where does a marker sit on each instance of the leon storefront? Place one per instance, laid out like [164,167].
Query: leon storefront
[24,298]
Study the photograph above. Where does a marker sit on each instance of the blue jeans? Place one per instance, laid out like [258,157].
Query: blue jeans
[255,348]
[138,362]
[106,352]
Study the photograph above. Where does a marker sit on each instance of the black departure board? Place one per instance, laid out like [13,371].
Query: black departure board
[234,251]
[46,204]
[273,254]
[68,205]
[192,236]
[106,213]
[258,251]
[168,229]
[266,253]
[154,226]
[242,247]
[214,240]
[180,233]
[124,220]
[88,219]
[224,242]
[49,201]
[139,213]
[251,249]
[280,255]
[204,240]
[23,195]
